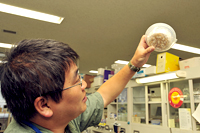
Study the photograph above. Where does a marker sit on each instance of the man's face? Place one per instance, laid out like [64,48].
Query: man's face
[73,101]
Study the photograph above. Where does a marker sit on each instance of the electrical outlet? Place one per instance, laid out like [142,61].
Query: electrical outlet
[135,131]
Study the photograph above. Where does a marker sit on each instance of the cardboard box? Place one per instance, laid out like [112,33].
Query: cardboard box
[188,63]
[136,119]
[98,80]
[88,79]
[150,70]
[167,62]
[100,71]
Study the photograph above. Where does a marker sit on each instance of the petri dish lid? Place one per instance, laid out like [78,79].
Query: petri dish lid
[160,35]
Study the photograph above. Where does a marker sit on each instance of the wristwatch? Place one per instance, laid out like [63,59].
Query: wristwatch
[133,68]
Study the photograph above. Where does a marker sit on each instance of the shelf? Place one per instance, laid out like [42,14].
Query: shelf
[196,93]
[99,130]
[123,103]
[154,102]
[138,102]
[154,96]
[186,101]
[113,103]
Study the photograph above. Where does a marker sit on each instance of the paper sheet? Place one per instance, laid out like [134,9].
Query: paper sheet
[171,123]
[185,118]
[196,113]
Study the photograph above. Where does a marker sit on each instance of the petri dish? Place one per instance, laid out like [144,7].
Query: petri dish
[160,35]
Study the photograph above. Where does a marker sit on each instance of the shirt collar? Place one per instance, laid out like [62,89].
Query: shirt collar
[71,128]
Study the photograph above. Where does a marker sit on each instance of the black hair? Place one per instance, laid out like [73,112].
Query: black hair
[34,68]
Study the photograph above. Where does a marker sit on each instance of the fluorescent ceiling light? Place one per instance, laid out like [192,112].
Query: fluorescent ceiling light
[2,61]
[126,62]
[5,45]
[161,77]
[2,55]
[146,65]
[30,13]
[121,62]
[93,71]
[186,48]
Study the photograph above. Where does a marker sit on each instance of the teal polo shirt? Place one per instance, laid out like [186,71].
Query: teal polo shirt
[92,116]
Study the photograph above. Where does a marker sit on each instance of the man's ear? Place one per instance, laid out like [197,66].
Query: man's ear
[41,105]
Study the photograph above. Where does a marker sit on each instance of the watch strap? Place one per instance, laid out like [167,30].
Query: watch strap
[133,68]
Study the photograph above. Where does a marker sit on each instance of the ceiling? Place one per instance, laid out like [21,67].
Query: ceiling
[102,31]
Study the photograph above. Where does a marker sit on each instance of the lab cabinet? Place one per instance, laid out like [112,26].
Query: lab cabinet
[117,110]
[149,107]
[196,97]
[139,108]
[122,106]
[174,115]
[154,108]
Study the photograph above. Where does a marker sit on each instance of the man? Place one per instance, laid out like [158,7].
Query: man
[44,92]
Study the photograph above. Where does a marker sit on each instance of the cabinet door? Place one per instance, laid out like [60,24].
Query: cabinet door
[154,104]
[139,110]
[179,101]
[122,106]
[196,94]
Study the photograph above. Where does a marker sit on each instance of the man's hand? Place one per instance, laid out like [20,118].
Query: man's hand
[142,53]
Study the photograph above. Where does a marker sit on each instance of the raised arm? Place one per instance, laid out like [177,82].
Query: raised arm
[115,85]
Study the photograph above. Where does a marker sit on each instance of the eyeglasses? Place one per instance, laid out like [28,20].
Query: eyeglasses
[75,84]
